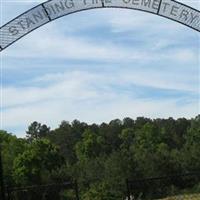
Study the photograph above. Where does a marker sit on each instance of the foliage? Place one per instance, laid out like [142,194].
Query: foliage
[37,161]
[101,157]
[36,131]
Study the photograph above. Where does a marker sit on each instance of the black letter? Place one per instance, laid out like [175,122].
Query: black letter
[13,30]
[29,22]
[193,17]
[126,1]
[185,14]
[155,4]
[69,4]
[146,3]
[174,10]
[166,4]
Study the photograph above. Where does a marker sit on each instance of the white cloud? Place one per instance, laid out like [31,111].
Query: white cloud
[90,97]
[79,48]
[80,85]
[192,3]
[76,48]
[52,113]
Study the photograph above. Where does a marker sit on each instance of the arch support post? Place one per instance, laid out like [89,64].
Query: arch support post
[3,196]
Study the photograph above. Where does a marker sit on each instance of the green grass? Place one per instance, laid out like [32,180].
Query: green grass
[184,197]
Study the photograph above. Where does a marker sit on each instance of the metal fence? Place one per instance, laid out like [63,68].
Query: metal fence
[43,192]
[177,187]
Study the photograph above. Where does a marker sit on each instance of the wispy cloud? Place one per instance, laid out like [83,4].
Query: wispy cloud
[51,44]
[52,113]
[94,98]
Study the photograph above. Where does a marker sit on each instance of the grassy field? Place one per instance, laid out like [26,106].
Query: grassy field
[184,197]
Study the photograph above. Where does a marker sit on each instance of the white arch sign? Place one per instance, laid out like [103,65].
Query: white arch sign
[53,9]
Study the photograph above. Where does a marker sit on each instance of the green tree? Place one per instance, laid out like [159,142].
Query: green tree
[11,147]
[35,164]
[101,191]
[191,150]
[128,138]
[89,146]
[37,131]
[65,137]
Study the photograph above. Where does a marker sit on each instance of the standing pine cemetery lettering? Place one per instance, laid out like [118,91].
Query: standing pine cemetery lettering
[54,9]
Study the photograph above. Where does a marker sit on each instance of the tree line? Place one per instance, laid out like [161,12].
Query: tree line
[101,157]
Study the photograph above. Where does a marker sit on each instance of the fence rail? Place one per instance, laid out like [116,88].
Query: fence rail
[41,192]
[174,187]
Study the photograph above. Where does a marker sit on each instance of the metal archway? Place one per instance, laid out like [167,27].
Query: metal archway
[53,9]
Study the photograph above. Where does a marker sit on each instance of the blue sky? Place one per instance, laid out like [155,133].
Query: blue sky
[99,65]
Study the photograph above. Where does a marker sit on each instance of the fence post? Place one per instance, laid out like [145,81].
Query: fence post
[8,193]
[3,197]
[76,190]
[128,189]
